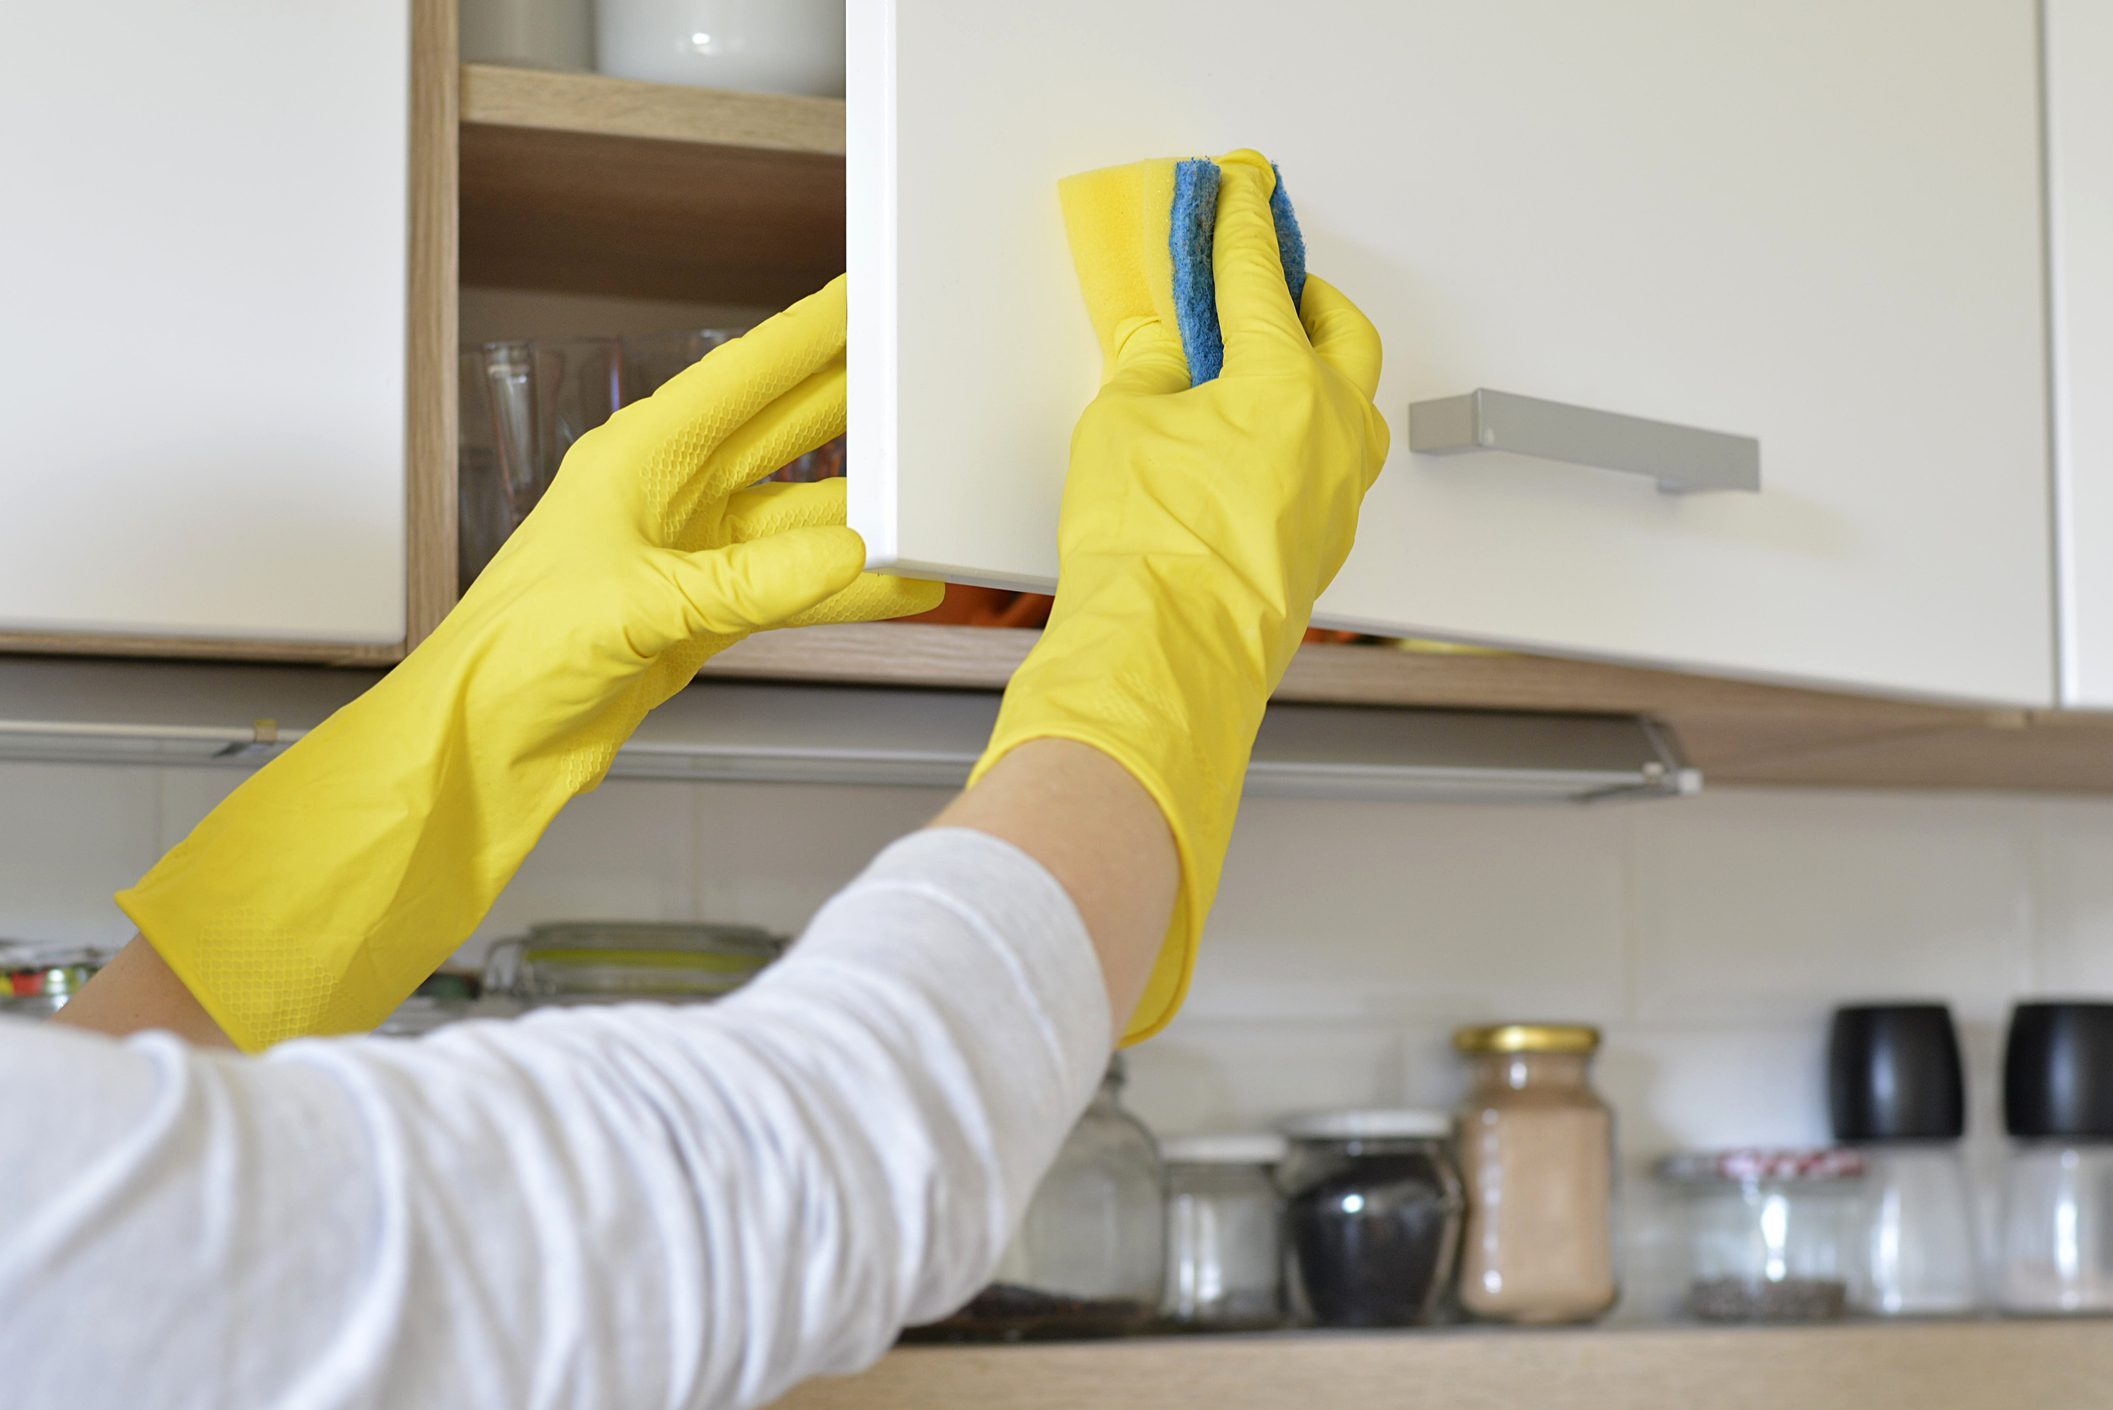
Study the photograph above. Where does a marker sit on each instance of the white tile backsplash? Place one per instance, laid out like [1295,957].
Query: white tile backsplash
[771,854]
[1775,906]
[2074,891]
[188,794]
[1206,1074]
[623,852]
[1391,911]
[1709,936]
[1720,1086]
[70,835]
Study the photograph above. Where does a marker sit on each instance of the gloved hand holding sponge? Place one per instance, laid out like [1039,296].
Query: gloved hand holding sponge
[330,884]
[1202,516]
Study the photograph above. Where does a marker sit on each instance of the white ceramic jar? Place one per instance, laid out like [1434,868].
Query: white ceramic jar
[762,46]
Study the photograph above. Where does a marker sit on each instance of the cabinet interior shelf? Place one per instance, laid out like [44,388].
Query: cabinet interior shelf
[1929,1365]
[586,184]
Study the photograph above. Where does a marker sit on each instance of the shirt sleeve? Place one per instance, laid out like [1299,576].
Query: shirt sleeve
[640,1206]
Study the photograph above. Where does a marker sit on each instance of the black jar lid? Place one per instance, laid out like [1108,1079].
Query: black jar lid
[2058,1071]
[1893,1074]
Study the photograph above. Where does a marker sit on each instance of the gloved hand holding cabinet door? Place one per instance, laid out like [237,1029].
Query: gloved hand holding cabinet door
[318,895]
[1199,522]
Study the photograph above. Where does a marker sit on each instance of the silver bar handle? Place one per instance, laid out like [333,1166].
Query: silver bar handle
[1682,459]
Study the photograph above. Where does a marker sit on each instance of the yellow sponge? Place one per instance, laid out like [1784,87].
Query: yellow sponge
[1117,220]
[1141,237]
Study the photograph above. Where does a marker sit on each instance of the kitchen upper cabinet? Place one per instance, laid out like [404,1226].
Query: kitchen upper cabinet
[204,376]
[2079,38]
[1812,222]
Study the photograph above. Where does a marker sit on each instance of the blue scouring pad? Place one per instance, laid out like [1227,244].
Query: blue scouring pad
[1195,218]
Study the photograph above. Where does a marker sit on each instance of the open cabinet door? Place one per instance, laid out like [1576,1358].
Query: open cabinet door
[1815,223]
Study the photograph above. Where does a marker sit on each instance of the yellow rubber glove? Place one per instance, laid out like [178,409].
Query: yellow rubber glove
[328,886]
[1198,526]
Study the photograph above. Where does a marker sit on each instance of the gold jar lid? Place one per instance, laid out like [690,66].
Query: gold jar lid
[1527,1038]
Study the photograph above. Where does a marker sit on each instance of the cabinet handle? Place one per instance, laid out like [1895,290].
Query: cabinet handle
[1682,459]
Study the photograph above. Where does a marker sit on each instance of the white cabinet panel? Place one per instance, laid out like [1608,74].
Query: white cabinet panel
[202,372]
[1816,222]
[2079,39]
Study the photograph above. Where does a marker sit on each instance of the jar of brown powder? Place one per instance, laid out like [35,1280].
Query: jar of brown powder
[1536,1154]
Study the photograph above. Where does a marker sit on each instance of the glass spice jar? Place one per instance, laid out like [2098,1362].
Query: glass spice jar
[1089,1257]
[1372,1217]
[2057,1220]
[1225,1232]
[447,996]
[36,981]
[1536,1150]
[610,962]
[1771,1234]
[1897,1094]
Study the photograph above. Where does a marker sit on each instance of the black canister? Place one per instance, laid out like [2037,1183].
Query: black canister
[2058,1071]
[1373,1208]
[1893,1074]
[2057,1223]
[1897,1092]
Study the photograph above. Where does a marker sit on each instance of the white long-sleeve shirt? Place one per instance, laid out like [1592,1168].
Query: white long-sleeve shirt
[640,1206]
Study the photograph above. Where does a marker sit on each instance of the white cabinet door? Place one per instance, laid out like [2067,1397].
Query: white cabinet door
[202,372]
[2079,39]
[1815,222]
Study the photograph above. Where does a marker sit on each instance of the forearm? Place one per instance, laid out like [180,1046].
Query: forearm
[1083,816]
[642,1206]
[137,992]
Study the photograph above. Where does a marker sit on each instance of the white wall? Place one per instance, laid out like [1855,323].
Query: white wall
[1709,936]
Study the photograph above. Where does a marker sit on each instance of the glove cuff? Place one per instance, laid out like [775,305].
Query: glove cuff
[1174,707]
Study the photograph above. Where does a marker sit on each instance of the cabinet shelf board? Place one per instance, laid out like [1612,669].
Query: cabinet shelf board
[599,185]
[1930,1365]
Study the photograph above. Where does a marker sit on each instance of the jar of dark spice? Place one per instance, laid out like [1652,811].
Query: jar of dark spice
[1089,1258]
[1372,1214]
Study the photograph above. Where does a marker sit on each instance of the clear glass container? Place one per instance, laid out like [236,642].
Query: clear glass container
[1372,1215]
[2057,1222]
[1771,1234]
[1089,1258]
[36,981]
[651,360]
[1225,1232]
[1537,1159]
[524,402]
[603,962]
[2057,1256]
[1921,1253]
[1896,1093]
